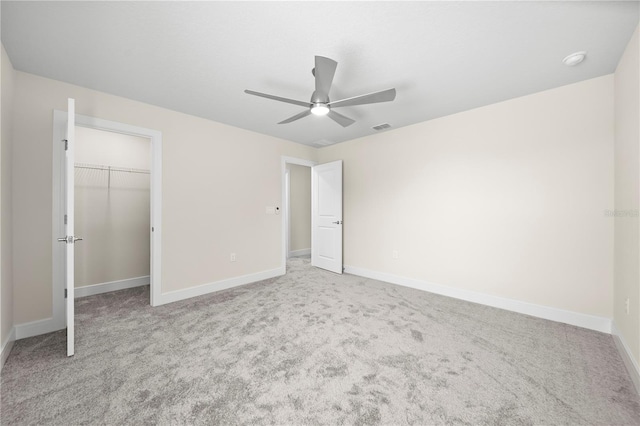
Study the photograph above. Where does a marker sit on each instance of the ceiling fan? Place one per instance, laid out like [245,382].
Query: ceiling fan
[320,104]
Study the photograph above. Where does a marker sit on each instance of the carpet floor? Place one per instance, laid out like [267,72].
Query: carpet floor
[312,348]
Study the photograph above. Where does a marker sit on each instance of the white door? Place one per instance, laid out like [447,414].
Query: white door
[69,239]
[326,216]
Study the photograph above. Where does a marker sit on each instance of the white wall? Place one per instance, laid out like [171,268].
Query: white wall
[627,196]
[217,181]
[112,210]
[300,207]
[6,232]
[506,200]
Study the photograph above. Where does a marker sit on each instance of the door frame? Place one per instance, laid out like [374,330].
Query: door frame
[155,137]
[285,200]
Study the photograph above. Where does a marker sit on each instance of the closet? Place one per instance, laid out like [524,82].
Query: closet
[112,211]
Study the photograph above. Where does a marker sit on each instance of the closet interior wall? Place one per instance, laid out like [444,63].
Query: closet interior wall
[112,208]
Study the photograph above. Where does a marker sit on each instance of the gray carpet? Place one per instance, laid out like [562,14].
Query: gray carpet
[315,348]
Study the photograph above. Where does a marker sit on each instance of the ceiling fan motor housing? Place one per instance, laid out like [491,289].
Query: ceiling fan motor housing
[319,97]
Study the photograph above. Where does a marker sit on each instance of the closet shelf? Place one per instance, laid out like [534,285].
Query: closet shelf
[110,168]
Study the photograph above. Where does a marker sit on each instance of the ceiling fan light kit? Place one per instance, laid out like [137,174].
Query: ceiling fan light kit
[320,109]
[320,103]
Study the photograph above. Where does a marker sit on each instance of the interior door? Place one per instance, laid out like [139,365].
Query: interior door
[326,216]
[69,239]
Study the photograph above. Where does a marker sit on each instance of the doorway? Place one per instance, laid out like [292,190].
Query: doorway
[326,213]
[298,210]
[296,194]
[112,211]
[60,119]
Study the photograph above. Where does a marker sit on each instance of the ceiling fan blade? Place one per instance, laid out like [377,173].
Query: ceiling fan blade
[324,71]
[296,117]
[371,98]
[278,98]
[340,119]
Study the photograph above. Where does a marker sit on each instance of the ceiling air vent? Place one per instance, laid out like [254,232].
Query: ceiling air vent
[381,127]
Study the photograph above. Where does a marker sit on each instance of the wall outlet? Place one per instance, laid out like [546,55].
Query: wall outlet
[233,257]
[394,254]
[626,306]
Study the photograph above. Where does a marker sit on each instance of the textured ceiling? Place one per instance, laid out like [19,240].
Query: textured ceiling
[198,57]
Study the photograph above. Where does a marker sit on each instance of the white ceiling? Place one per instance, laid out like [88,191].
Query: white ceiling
[198,57]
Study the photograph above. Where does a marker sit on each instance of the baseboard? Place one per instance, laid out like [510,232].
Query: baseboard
[187,293]
[568,317]
[301,252]
[627,357]
[36,328]
[7,345]
[90,290]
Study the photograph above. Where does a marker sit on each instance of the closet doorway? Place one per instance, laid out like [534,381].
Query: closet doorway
[112,211]
[59,318]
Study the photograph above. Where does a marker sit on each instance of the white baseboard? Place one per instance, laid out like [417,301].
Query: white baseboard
[627,357]
[176,295]
[35,328]
[90,290]
[568,317]
[7,345]
[301,252]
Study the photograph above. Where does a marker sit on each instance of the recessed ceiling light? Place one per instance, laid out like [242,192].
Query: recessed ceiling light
[574,59]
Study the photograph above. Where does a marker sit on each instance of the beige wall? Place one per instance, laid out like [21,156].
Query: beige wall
[112,211]
[217,181]
[627,193]
[300,207]
[6,233]
[506,200]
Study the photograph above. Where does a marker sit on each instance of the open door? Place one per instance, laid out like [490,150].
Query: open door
[326,216]
[69,239]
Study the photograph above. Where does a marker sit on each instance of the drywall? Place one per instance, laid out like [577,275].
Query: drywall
[216,182]
[6,233]
[506,200]
[627,197]
[300,207]
[112,211]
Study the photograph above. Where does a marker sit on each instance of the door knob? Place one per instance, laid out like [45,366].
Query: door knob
[69,239]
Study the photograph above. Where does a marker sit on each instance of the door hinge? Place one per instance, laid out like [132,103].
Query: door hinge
[65,293]
[152,229]
[66,144]
[65,219]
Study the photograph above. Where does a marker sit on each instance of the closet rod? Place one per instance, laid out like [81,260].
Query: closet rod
[110,169]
